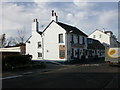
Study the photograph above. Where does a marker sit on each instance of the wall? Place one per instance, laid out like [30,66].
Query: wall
[77,45]
[104,38]
[113,42]
[32,47]
[51,44]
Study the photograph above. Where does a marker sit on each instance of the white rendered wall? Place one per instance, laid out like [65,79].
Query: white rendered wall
[32,47]
[51,44]
[104,38]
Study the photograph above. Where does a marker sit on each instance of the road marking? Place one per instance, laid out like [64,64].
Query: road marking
[11,77]
[16,76]
[90,65]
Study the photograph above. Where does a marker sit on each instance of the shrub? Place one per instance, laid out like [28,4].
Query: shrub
[14,60]
[96,57]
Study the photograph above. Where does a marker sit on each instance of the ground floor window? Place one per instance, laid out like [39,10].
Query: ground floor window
[39,54]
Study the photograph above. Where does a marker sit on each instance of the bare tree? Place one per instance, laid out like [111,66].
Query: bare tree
[21,36]
[11,41]
[2,40]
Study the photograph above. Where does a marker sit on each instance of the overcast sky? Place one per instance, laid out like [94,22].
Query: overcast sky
[87,16]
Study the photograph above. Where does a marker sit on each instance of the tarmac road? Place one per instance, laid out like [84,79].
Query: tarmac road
[69,76]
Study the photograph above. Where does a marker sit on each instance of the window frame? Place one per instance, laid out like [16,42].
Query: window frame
[100,36]
[39,55]
[60,38]
[94,36]
[39,44]
[83,40]
[78,39]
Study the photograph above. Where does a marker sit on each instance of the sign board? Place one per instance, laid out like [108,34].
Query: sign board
[112,54]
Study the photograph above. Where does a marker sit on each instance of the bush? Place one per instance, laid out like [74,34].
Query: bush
[83,58]
[15,60]
[96,57]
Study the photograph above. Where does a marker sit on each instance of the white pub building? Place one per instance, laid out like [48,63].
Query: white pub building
[58,41]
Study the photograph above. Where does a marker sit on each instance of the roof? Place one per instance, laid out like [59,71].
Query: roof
[71,28]
[28,39]
[103,32]
[67,28]
[95,44]
[10,49]
[48,25]
[108,32]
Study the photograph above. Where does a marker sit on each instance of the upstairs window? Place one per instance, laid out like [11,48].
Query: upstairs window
[39,44]
[60,38]
[100,36]
[78,39]
[72,39]
[83,40]
[94,36]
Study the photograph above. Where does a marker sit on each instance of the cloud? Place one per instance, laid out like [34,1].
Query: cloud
[82,15]
[108,18]
[15,17]
[83,5]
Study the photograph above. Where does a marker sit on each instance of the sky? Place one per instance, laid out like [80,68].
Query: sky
[86,16]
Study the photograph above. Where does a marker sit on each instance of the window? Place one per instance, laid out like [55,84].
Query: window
[60,38]
[78,40]
[94,36]
[72,39]
[72,53]
[39,54]
[100,36]
[39,44]
[83,39]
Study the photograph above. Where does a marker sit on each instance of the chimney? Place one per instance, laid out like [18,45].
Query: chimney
[52,12]
[54,16]
[103,29]
[35,25]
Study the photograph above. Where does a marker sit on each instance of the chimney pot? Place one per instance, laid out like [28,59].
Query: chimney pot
[33,20]
[54,16]
[55,13]
[52,12]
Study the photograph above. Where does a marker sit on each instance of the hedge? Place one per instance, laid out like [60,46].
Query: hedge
[15,60]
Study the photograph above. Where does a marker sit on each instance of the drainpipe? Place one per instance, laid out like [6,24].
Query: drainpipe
[42,46]
[66,42]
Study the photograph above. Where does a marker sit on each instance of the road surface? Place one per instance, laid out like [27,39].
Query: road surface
[68,76]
